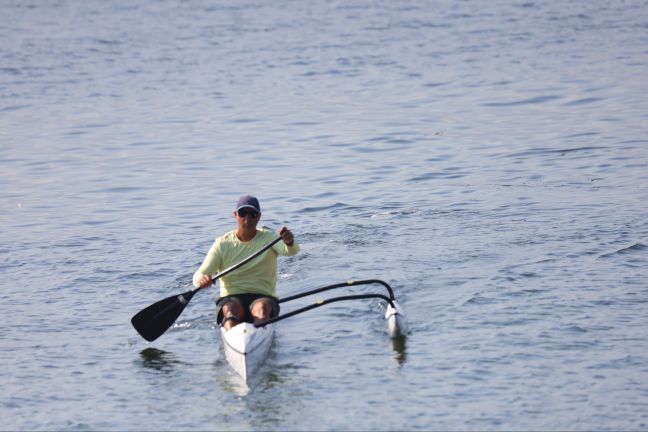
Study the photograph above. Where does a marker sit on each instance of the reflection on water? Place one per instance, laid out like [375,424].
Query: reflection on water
[400,351]
[264,409]
[160,360]
[269,376]
[229,381]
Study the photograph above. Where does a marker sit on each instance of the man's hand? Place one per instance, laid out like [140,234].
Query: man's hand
[287,236]
[205,281]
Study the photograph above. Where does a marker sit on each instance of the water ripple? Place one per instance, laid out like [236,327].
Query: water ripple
[441,146]
[529,101]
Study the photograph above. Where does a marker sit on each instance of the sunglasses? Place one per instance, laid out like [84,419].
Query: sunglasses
[245,213]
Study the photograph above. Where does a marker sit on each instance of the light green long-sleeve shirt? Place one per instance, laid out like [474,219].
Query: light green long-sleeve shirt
[259,276]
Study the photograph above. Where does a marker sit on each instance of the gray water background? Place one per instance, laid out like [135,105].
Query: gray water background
[488,159]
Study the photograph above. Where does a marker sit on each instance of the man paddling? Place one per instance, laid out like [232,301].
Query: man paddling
[249,293]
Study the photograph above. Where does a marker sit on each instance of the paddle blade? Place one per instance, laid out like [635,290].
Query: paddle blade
[151,322]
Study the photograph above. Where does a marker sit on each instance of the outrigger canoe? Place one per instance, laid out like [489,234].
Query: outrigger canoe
[247,345]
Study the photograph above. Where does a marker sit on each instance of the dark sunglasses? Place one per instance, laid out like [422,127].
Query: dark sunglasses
[245,213]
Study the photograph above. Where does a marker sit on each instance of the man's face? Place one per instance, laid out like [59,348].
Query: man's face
[247,218]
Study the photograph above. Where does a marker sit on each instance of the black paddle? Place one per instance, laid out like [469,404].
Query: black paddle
[151,322]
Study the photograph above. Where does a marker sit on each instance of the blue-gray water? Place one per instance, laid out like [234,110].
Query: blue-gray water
[486,158]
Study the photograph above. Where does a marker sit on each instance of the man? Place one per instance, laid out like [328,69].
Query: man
[248,293]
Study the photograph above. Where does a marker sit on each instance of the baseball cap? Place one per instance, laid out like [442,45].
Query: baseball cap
[249,202]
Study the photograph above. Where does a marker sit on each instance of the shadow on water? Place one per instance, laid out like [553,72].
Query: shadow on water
[159,360]
[400,349]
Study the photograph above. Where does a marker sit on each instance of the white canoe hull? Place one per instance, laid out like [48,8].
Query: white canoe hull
[246,347]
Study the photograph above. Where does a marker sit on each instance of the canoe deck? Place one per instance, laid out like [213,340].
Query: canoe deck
[246,347]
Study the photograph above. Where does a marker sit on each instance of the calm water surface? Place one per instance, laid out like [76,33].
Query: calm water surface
[487,159]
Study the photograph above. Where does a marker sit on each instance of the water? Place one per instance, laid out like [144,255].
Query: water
[487,159]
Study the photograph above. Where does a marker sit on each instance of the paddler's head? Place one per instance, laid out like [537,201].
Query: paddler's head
[247,213]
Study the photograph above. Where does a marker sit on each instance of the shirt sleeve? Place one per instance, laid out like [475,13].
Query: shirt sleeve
[211,264]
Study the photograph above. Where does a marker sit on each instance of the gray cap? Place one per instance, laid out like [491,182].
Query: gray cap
[247,201]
